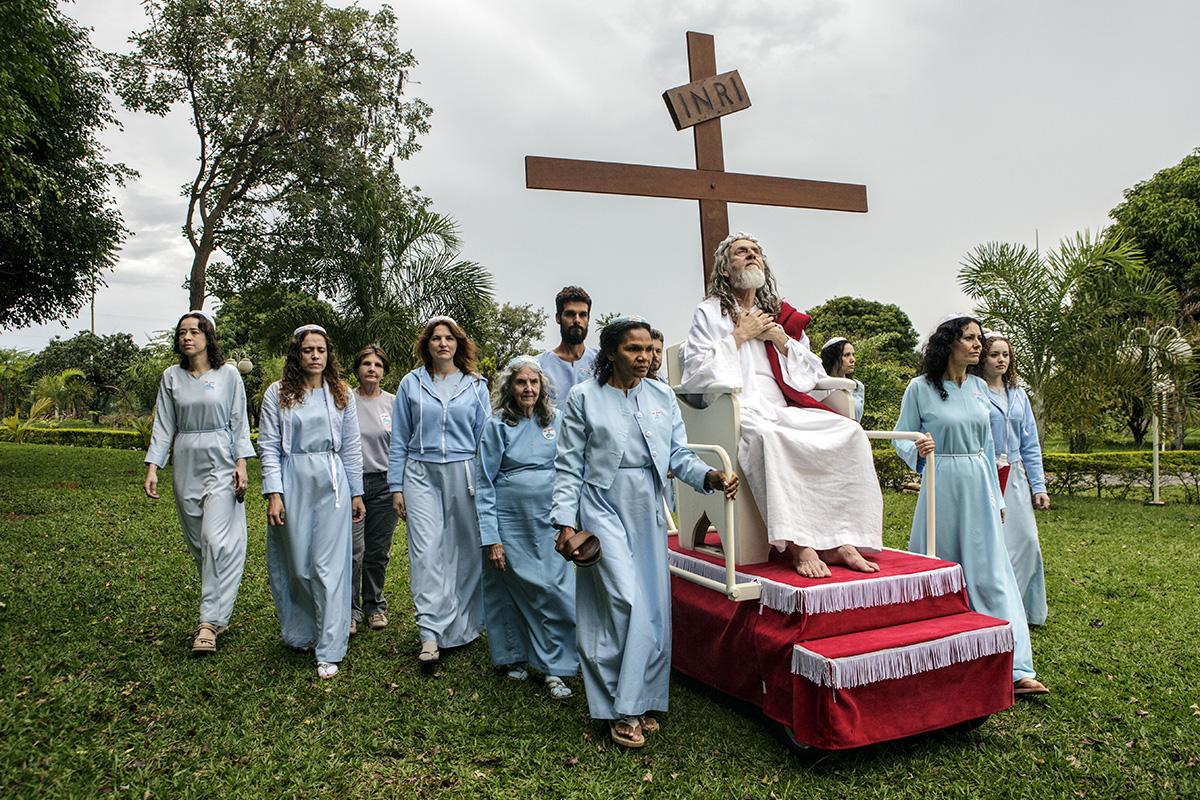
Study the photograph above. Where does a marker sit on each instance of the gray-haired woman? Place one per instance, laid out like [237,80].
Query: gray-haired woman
[528,590]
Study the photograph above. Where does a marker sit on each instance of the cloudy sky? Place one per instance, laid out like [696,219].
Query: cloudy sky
[967,121]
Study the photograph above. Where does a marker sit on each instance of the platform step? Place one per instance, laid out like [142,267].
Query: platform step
[903,578]
[900,651]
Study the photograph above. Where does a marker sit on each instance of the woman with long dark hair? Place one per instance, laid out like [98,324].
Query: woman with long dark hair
[1015,433]
[620,434]
[528,591]
[950,407]
[201,417]
[312,479]
[437,419]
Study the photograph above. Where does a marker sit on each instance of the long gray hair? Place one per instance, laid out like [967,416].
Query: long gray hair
[504,399]
[720,285]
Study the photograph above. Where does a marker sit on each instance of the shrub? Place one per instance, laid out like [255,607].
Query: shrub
[1119,473]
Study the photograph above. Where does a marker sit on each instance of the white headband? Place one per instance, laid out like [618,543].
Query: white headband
[834,341]
[523,361]
[994,335]
[308,328]
[439,318]
[199,312]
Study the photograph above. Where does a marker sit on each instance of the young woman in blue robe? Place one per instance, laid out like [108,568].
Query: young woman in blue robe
[312,479]
[528,589]
[437,419]
[950,407]
[620,434]
[201,416]
[1015,434]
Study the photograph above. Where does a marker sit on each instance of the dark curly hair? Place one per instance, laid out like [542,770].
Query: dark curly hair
[1009,378]
[831,355]
[935,356]
[215,358]
[611,337]
[571,294]
[292,386]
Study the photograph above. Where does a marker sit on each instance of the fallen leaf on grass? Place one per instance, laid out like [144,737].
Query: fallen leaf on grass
[1195,710]
[648,777]
[570,762]
[1141,712]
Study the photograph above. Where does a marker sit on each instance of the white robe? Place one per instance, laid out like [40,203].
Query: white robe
[810,471]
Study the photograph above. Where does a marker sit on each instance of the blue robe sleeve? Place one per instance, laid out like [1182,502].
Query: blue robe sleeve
[487,469]
[568,463]
[270,442]
[1031,448]
[164,426]
[989,452]
[401,433]
[351,454]
[239,421]
[910,420]
[686,465]
[482,411]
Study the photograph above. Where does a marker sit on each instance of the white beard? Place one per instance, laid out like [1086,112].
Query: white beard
[749,278]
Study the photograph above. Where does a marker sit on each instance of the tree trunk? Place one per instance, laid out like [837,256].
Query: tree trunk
[196,282]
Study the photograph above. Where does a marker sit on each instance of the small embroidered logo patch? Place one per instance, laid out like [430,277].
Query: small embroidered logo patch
[549,434]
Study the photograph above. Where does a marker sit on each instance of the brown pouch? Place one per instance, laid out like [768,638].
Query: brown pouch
[588,546]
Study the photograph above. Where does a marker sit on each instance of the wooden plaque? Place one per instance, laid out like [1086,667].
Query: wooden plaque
[705,99]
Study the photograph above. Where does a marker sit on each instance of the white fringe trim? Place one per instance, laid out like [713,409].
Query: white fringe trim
[901,662]
[833,597]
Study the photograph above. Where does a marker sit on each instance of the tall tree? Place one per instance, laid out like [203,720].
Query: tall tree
[506,332]
[285,96]
[1162,216]
[59,226]
[858,318]
[102,359]
[1065,313]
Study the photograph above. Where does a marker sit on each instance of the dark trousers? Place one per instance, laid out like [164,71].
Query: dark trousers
[372,547]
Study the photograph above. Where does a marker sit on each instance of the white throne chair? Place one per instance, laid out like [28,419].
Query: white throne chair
[719,424]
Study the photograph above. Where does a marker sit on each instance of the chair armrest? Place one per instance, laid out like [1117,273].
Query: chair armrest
[832,384]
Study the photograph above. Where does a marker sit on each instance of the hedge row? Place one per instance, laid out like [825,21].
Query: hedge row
[1113,474]
[1118,474]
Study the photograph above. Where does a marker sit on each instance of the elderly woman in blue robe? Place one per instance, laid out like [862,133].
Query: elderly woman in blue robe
[620,434]
[1015,434]
[437,418]
[312,479]
[950,407]
[201,416]
[528,590]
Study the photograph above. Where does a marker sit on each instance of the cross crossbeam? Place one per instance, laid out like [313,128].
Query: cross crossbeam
[709,183]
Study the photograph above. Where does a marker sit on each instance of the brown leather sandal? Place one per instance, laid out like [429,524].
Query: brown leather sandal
[583,548]
[626,734]
[205,640]
[649,724]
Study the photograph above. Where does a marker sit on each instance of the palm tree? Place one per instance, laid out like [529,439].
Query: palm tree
[1065,313]
[14,378]
[68,389]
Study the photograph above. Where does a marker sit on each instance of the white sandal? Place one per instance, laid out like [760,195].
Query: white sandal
[558,689]
[326,670]
[517,672]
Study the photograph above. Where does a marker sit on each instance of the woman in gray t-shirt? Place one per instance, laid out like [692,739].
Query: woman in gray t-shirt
[372,536]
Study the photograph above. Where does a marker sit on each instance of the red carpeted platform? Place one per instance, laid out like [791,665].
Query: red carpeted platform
[849,660]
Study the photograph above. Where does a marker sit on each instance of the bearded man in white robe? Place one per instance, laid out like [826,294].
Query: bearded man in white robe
[809,468]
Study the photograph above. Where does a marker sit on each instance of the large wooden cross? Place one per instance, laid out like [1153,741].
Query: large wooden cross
[708,182]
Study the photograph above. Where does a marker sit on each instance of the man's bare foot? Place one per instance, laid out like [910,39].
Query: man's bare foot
[808,563]
[848,556]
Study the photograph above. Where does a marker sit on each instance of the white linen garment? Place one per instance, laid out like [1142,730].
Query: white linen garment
[811,471]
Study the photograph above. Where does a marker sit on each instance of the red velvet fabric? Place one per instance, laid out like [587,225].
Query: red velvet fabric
[745,651]
[794,322]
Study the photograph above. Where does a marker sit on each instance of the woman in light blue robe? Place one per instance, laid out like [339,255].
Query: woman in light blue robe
[1015,433]
[437,419]
[528,589]
[952,412]
[312,479]
[620,434]
[201,416]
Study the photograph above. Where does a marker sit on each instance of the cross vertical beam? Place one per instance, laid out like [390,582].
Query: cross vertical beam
[710,155]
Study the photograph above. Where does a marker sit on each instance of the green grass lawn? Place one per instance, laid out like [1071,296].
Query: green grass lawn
[98,695]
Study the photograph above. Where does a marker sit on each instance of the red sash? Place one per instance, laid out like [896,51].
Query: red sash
[794,322]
